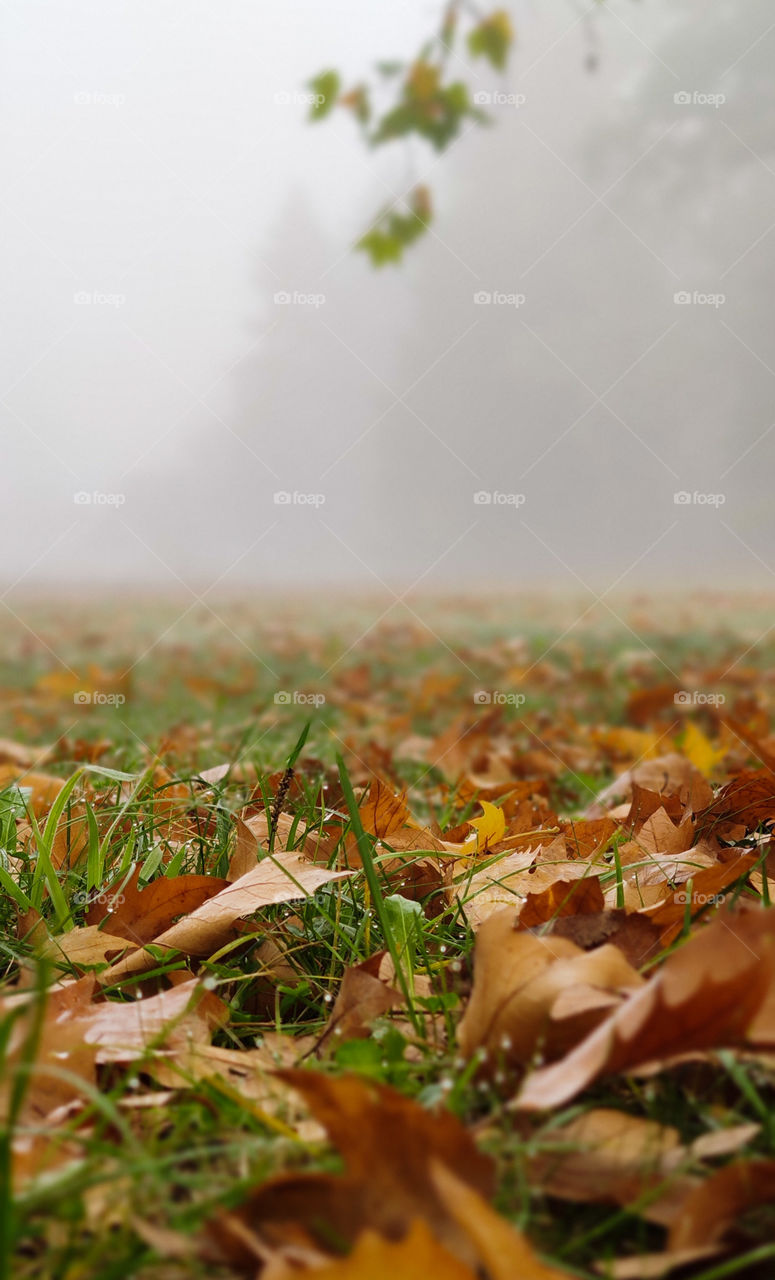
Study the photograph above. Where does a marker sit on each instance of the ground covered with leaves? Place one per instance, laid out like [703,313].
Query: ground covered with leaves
[431,944]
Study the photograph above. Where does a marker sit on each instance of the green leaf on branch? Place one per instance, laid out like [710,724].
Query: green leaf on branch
[395,231]
[325,88]
[492,39]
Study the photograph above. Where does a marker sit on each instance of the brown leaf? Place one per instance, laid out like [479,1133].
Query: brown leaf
[275,879]
[519,979]
[636,936]
[604,1156]
[86,946]
[706,995]
[43,787]
[252,841]
[714,1206]
[504,1252]
[383,812]
[387,1143]
[140,915]
[563,898]
[741,805]
[364,995]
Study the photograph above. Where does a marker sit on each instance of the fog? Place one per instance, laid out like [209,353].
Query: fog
[162,186]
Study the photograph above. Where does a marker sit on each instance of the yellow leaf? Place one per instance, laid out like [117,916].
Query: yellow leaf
[700,750]
[488,830]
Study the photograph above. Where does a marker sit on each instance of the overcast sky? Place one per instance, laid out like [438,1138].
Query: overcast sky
[162,186]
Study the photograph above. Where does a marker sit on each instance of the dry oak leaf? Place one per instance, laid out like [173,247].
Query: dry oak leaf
[585,837]
[185,1014]
[504,1252]
[419,1256]
[43,787]
[707,995]
[498,884]
[668,775]
[706,1217]
[140,915]
[605,1156]
[387,1143]
[365,994]
[18,753]
[383,812]
[636,936]
[530,991]
[561,899]
[276,878]
[714,1206]
[86,946]
[741,805]
[703,891]
[252,841]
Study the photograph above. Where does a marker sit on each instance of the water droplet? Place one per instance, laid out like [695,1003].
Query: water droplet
[62,1053]
[443,948]
[505,1042]
[328,997]
[210,982]
[445,1083]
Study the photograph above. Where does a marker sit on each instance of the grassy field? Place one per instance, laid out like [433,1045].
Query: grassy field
[165,729]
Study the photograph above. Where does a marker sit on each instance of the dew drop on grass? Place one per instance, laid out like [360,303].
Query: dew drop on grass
[210,982]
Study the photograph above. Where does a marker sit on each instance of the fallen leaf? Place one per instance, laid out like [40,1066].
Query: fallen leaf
[387,1143]
[519,979]
[277,878]
[706,995]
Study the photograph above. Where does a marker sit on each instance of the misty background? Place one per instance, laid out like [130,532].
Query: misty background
[162,185]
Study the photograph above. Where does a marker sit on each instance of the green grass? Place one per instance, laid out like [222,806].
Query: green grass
[202,699]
